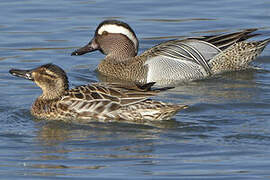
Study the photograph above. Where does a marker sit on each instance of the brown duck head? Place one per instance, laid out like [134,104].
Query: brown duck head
[113,38]
[49,77]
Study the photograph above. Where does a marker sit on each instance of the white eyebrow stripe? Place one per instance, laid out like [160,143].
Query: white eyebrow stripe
[112,28]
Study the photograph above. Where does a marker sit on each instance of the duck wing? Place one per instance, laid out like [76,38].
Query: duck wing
[179,60]
[188,59]
[223,41]
[102,99]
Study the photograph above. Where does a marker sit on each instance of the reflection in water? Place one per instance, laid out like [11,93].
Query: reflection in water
[97,143]
[103,139]
[226,88]
[54,133]
[96,146]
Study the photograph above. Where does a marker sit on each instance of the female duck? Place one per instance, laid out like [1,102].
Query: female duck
[172,61]
[100,101]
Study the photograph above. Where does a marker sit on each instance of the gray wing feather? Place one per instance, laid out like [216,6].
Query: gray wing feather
[163,70]
[207,50]
[181,60]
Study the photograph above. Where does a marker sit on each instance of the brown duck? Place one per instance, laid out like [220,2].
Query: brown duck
[97,101]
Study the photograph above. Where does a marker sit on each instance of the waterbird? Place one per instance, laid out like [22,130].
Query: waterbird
[97,101]
[173,61]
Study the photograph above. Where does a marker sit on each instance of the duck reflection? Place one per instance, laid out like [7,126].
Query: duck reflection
[53,133]
[94,143]
[95,140]
[228,88]
[98,145]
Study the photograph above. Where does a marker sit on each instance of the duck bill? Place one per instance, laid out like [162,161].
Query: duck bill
[27,74]
[90,47]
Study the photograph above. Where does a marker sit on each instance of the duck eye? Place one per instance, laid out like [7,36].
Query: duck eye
[51,76]
[48,75]
[105,33]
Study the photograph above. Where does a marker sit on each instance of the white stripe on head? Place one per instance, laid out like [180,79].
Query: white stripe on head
[113,28]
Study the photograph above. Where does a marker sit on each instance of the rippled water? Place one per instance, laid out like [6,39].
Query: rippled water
[225,134]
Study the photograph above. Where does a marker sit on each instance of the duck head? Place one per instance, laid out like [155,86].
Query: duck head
[49,77]
[113,38]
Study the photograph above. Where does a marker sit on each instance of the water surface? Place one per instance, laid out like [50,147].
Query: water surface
[225,134]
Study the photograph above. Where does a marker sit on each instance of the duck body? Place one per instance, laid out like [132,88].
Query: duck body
[154,65]
[172,61]
[100,102]
[97,101]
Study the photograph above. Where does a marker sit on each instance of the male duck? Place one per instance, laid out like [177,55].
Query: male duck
[172,61]
[100,101]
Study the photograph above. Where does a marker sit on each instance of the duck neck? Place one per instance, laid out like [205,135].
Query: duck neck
[51,95]
[121,54]
[118,48]
[53,92]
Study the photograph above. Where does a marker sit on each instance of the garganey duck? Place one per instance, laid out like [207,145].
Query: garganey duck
[98,101]
[172,61]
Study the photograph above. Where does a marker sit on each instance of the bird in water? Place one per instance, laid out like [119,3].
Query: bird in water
[172,61]
[96,101]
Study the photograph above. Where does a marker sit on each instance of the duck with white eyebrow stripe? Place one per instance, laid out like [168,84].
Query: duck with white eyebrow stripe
[170,62]
[109,35]
[125,30]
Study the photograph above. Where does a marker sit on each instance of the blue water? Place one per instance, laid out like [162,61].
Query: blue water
[225,134]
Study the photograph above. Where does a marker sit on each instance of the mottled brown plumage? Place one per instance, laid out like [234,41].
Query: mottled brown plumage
[172,61]
[97,101]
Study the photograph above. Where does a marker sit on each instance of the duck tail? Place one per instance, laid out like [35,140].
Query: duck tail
[164,113]
[223,41]
[170,111]
[264,42]
[238,56]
